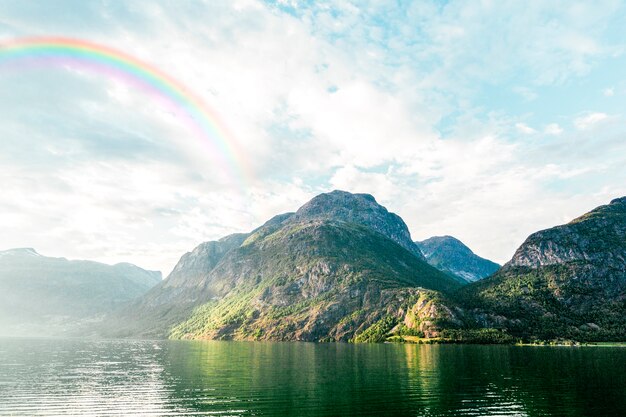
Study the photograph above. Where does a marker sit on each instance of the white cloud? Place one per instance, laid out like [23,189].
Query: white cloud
[333,97]
[588,120]
[383,186]
[608,92]
[553,129]
[525,129]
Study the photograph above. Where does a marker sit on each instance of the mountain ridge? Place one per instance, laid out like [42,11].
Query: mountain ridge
[50,296]
[343,268]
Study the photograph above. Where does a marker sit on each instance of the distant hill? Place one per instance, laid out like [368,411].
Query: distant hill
[450,255]
[40,295]
[565,282]
[341,268]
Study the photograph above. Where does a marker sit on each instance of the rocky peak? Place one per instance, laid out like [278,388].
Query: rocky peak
[360,209]
[195,265]
[568,281]
[598,236]
[339,204]
[450,255]
[436,243]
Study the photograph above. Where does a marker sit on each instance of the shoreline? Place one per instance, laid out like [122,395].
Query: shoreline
[415,340]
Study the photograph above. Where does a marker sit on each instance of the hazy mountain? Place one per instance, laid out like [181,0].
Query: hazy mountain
[567,281]
[341,267]
[43,295]
[450,255]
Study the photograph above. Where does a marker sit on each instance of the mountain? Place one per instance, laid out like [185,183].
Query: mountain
[450,255]
[565,282]
[340,268]
[361,209]
[173,299]
[43,295]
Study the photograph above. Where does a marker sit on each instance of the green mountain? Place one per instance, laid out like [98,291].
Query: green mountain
[341,268]
[40,295]
[173,299]
[344,268]
[451,256]
[565,282]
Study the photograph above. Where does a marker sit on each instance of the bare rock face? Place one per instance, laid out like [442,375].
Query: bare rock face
[561,279]
[193,266]
[429,314]
[360,209]
[598,237]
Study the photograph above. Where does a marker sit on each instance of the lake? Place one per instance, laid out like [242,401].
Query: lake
[185,378]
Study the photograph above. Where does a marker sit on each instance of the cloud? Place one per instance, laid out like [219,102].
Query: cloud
[588,120]
[553,129]
[608,92]
[525,129]
[383,185]
[418,103]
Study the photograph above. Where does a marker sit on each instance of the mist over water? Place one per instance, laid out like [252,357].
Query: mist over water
[83,377]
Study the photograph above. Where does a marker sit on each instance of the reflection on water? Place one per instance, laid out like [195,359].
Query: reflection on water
[73,377]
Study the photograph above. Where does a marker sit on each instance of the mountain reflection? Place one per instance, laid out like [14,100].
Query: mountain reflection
[72,377]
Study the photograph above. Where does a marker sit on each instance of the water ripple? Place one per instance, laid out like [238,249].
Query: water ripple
[109,378]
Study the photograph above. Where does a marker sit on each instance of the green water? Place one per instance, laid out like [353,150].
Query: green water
[77,377]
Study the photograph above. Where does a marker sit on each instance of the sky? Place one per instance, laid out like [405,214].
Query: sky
[484,120]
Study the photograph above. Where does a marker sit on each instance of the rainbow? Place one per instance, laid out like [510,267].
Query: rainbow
[184,103]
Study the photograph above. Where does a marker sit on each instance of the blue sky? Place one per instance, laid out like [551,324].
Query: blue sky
[486,120]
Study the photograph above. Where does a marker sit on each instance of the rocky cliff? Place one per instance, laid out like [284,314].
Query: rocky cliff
[568,281]
[360,209]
